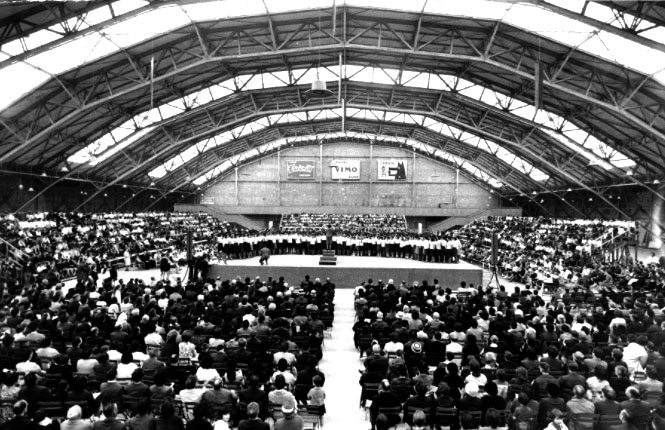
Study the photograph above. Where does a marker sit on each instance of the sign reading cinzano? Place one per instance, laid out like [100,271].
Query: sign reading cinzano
[300,170]
[345,170]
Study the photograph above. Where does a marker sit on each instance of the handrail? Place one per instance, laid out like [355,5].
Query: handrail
[17,254]
[613,239]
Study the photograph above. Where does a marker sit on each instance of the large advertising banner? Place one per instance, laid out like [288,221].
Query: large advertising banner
[207,200]
[300,170]
[348,170]
[391,170]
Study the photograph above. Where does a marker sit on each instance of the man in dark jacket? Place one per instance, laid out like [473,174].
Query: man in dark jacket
[253,394]
[34,393]
[20,420]
[385,399]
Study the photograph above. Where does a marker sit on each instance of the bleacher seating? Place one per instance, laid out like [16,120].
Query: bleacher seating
[318,222]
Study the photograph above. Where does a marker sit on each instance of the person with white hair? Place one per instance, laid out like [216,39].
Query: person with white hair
[74,421]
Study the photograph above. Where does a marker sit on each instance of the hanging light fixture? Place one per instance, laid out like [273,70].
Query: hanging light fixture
[319,89]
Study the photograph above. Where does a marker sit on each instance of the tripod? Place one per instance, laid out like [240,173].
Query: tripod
[494,275]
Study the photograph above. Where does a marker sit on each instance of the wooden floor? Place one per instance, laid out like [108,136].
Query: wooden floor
[348,261]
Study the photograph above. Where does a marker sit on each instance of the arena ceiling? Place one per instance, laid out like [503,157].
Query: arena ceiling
[170,95]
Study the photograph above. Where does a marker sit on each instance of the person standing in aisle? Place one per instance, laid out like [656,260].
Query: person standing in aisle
[265,255]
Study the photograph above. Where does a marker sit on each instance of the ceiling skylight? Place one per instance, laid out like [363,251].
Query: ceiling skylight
[70,52]
[555,126]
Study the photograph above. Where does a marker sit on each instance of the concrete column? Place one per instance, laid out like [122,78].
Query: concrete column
[371,164]
[236,186]
[657,219]
[279,178]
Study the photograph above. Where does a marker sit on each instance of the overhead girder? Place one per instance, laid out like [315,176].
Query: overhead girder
[520,131]
[650,10]
[577,84]
[475,156]
[206,121]
[213,157]
[22,20]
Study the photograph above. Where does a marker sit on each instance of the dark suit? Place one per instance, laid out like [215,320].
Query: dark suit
[607,407]
[637,408]
[253,425]
[34,395]
[376,364]
[384,400]
[249,395]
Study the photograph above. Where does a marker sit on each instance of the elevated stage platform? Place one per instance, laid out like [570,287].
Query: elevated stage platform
[350,271]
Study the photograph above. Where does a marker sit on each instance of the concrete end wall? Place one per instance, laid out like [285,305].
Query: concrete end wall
[428,184]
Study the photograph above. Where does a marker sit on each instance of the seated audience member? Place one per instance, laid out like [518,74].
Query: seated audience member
[136,387]
[167,419]
[278,395]
[74,420]
[385,398]
[143,420]
[253,421]
[190,394]
[109,421]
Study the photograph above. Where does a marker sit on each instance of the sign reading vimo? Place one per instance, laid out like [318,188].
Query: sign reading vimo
[345,170]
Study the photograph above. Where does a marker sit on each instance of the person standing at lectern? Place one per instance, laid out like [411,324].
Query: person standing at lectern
[329,237]
[265,255]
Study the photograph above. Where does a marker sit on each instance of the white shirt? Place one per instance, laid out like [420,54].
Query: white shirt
[632,354]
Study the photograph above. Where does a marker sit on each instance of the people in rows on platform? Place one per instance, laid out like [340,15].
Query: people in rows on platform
[203,349]
[427,247]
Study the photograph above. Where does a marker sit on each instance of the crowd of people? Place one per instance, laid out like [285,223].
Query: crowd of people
[203,354]
[361,223]
[428,247]
[59,245]
[578,344]
[552,253]
[582,337]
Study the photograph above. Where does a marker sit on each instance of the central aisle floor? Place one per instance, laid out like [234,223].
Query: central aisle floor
[340,364]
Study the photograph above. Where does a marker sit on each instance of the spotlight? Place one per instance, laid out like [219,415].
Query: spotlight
[44,174]
[20,186]
[569,189]
[534,192]
[152,184]
[32,190]
[124,185]
[64,169]
[590,199]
